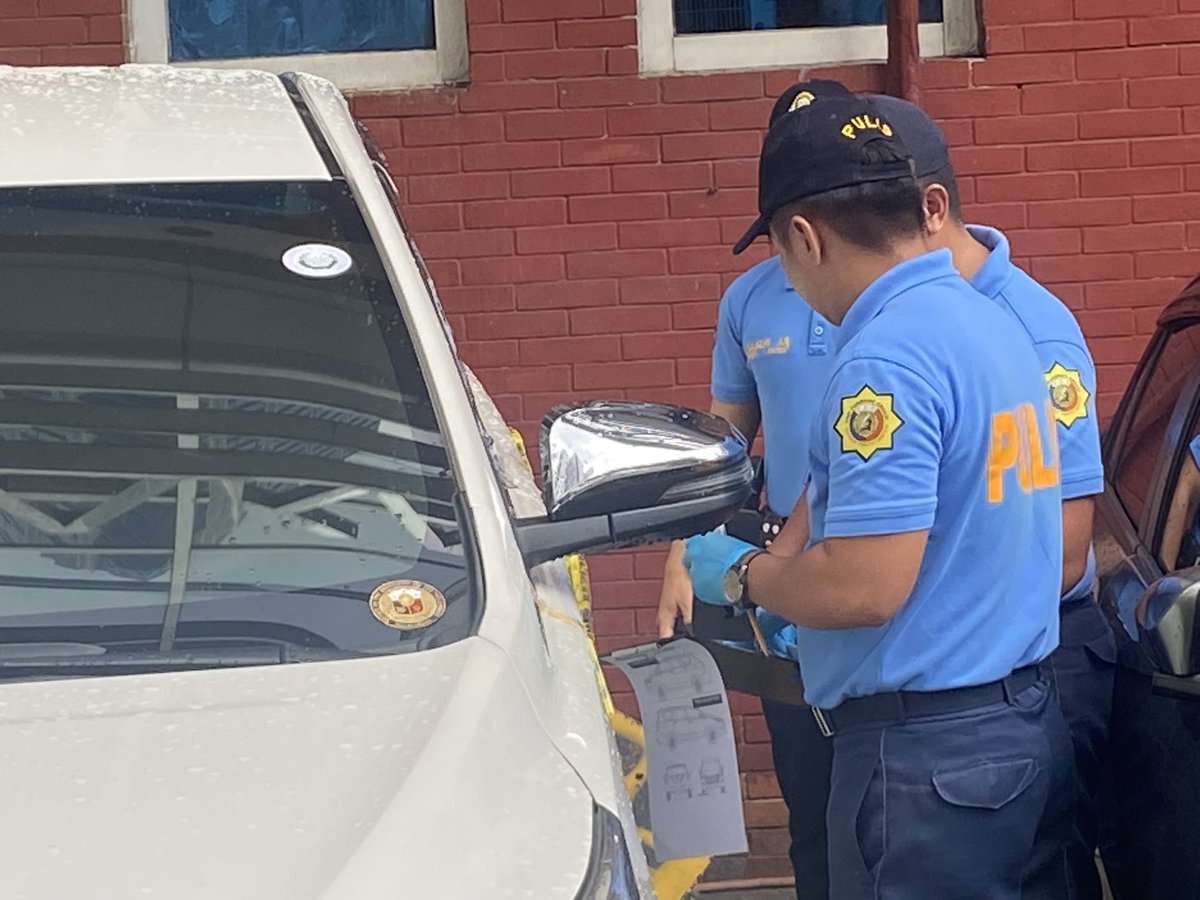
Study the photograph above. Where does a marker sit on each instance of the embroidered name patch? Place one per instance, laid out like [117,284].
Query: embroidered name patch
[765,345]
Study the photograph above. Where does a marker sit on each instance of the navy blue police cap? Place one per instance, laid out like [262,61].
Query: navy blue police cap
[921,135]
[805,93]
[827,143]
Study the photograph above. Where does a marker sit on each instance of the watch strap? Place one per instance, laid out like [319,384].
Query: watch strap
[743,570]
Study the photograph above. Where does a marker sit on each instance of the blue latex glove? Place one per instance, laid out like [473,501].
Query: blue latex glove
[778,632]
[707,558]
[783,643]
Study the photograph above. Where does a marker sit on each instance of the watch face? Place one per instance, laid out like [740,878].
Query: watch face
[733,586]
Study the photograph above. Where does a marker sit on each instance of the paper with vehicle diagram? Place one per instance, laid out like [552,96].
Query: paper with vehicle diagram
[691,758]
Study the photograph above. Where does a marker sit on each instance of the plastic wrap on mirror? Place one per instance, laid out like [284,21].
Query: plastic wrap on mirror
[512,469]
[567,580]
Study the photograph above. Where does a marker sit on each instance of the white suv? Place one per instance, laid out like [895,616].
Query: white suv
[278,611]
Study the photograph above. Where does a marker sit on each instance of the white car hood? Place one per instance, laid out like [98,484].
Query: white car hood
[425,775]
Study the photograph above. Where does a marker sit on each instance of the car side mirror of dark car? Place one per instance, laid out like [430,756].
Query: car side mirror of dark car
[1166,620]
[620,474]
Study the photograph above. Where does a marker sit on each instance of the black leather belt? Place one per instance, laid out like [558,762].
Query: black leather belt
[748,671]
[899,706]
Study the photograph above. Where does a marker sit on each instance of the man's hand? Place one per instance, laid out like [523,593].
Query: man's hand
[707,559]
[675,601]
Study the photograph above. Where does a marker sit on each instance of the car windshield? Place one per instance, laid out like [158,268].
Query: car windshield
[217,446]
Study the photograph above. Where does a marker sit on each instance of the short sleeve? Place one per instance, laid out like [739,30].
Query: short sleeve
[1071,381]
[732,381]
[884,425]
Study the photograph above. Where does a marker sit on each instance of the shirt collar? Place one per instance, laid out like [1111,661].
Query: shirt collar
[996,270]
[787,284]
[819,328]
[895,281]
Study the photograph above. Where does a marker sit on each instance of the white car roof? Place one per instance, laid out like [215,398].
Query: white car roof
[144,124]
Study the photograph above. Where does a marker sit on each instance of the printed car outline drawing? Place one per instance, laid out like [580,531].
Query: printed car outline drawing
[676,674]
[680,724]
[712,776]
[678,780]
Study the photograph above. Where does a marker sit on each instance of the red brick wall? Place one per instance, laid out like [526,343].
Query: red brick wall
[61,33]
[577,218]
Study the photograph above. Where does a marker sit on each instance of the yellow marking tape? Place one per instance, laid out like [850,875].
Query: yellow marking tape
[671,879]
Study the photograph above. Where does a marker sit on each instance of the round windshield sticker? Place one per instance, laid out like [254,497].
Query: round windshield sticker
[317,261]
[407,604]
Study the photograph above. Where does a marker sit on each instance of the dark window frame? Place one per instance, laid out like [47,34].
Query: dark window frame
[1147,522]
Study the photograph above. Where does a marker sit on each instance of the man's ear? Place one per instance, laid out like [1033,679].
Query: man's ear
[809,237]
[936,201]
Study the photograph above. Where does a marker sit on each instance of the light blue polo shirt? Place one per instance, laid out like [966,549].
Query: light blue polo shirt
[936,418]
[773,348]
[1068,367]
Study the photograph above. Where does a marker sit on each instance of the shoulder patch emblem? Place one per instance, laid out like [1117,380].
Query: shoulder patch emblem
[1068,396]
[867,422]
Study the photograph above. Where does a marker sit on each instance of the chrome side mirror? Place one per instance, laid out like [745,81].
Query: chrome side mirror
[1166,619]
[620,474]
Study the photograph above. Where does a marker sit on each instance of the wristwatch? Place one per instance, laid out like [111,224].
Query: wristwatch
[735,578]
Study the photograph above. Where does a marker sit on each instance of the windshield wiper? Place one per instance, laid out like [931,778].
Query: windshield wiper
[96,659]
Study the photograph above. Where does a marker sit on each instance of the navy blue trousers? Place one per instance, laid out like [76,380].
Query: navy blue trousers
[1083,667]
[803,760]
[975,805]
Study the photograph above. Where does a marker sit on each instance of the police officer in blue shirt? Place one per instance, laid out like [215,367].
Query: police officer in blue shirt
[773,354]
[927,592]
[1083,664]
[772,359]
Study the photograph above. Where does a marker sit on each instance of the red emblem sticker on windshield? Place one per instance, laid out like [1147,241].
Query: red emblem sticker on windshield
[407,604]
